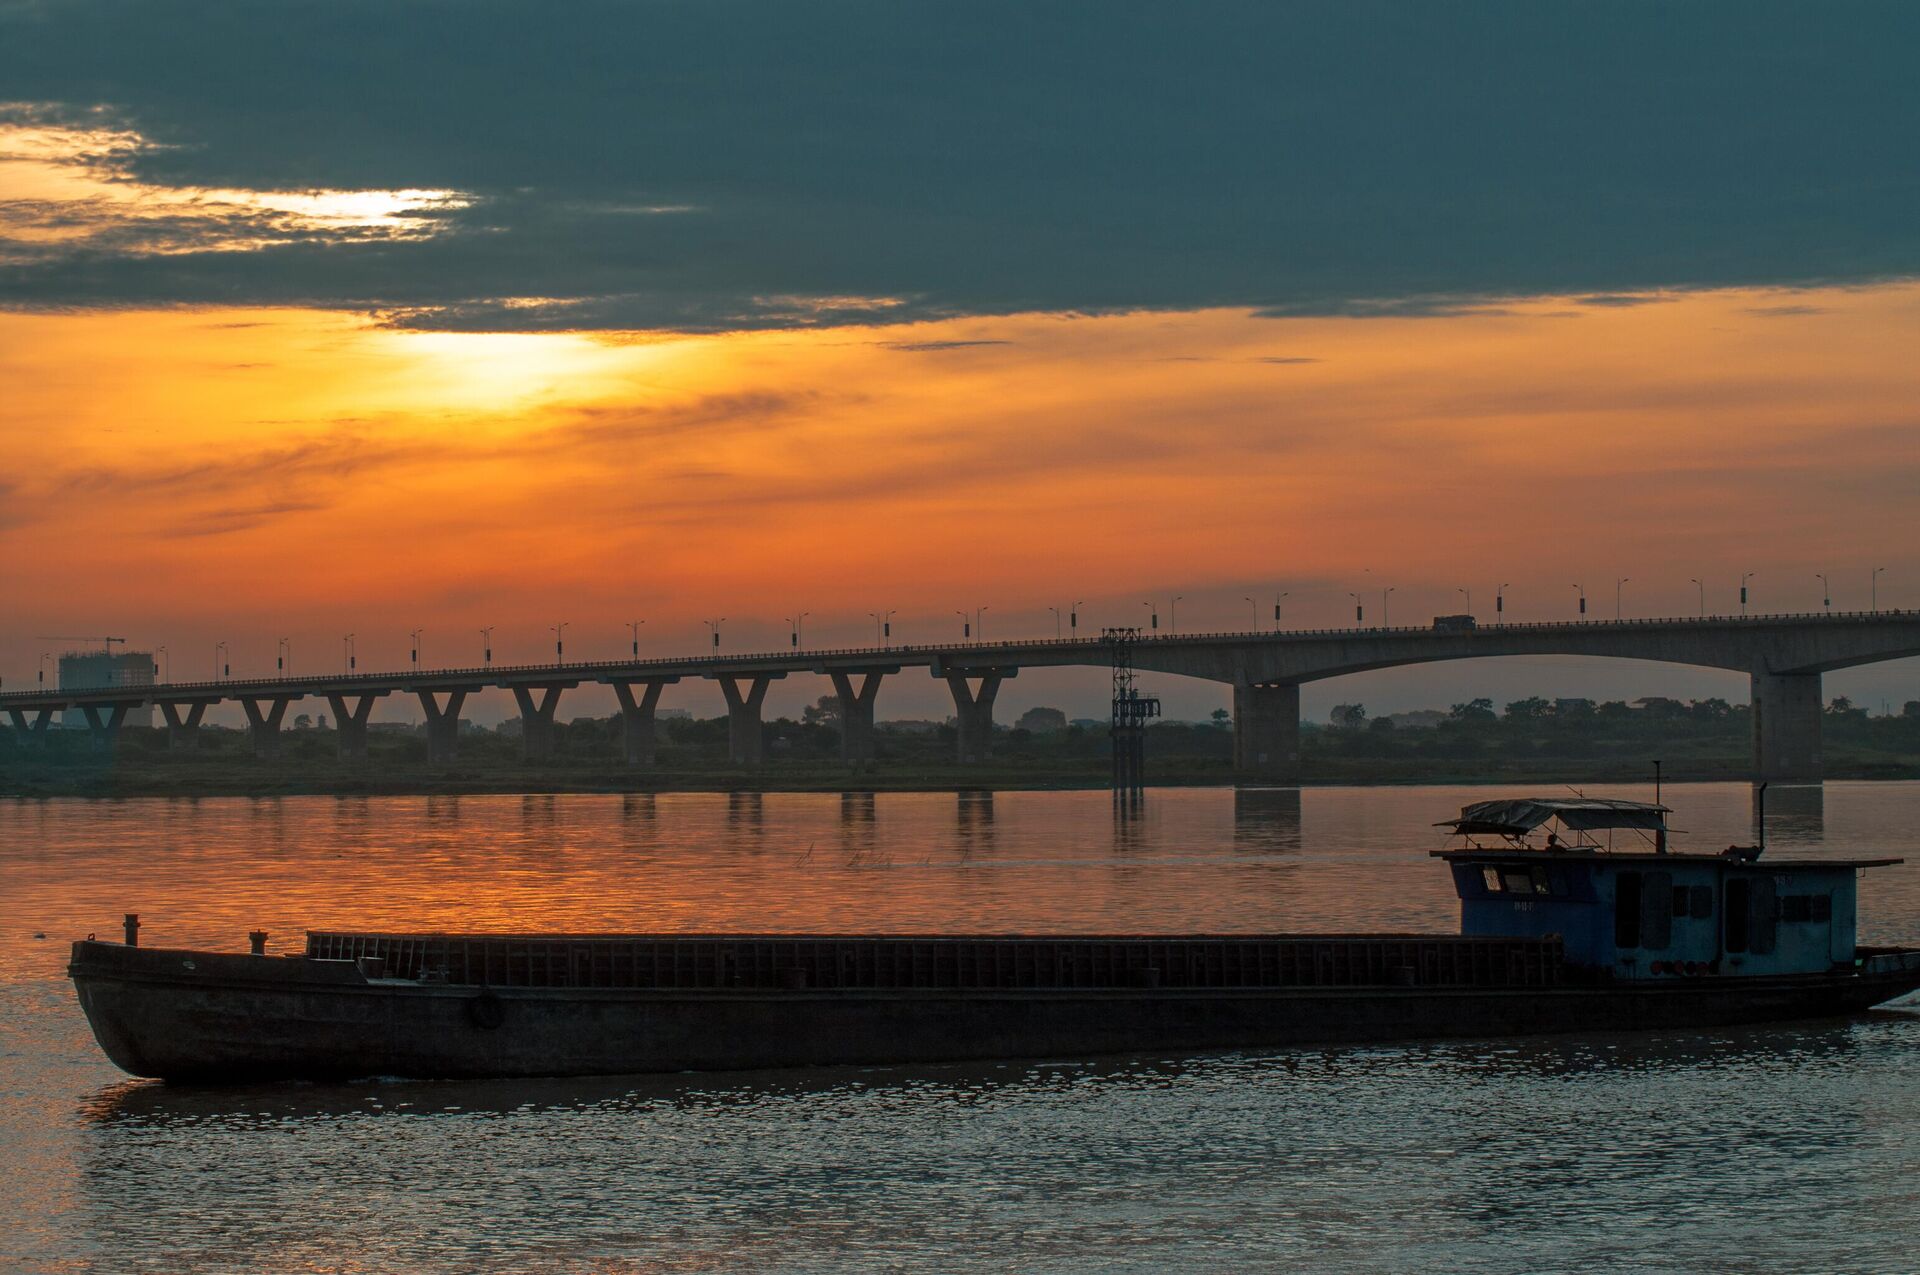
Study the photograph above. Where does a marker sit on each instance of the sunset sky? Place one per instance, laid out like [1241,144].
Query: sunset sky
[329,318]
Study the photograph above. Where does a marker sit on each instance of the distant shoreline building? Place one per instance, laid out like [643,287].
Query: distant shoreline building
[103,670]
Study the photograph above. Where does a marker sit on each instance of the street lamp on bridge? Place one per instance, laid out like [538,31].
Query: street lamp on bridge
[1616,595]
[1469,597]
[1703,595]
[1173,613]
[560,642]
[1743,589]
[413,652]
[346,651]
[1873,585]
[633,627]
[1500,600]
[1359,609]
[46,656]
[283,654]
[1153,613]
[1253,612]
[713,627]
[1383,605]
[220,666]
[1826,590]
[882,626]
[1073,618]
[795,623]
[1056,622]
[486,645]
[166,662]
[1582,591]
[1276,609]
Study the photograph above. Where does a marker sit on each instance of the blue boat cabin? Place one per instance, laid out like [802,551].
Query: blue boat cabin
[1641,912]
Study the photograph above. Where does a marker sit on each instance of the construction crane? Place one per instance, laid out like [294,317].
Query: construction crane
[105,642]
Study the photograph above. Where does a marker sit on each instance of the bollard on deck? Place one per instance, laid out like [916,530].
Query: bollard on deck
[258,940]
[132,924]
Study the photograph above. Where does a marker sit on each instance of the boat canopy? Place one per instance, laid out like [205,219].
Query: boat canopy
[1517,816]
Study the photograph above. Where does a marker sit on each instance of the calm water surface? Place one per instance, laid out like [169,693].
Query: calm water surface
[1791,1149]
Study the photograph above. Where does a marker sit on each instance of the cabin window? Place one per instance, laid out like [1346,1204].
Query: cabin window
[1626,909]
[1739,905]
[1656,911]
[1540,885]
[1491,877]
[1700,902]
[1766,916]
[1518,880]
[1806,907]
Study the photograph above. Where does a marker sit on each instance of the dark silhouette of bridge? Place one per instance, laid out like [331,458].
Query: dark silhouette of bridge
[1783,655]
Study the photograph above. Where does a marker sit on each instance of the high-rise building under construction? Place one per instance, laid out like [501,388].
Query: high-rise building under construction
[96,670]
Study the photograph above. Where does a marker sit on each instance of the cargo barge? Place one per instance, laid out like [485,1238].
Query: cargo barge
[1566,936]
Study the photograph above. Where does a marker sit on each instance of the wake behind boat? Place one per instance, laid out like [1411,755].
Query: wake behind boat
[1557,935]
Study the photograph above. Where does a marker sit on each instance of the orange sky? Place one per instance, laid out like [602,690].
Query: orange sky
[197,475]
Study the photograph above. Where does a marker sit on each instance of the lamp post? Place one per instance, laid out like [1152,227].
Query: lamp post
[1276,609]
[45,656]
[1253,613]
[1703,595]
[283,654]
[1056,622]
[347,659]
[1073,619]
[166,663]
[1873,586]
[486,645]
[713,627]
[1743,589]
[882,626]
[980,623]
[1359,609]
[633,627]
[221,669]
[795,624]
[1383,605]
[1581,590]
[1500,601]
[1469,597]
[1153,616]
[559,642]
[1616,596]
[1826,591]
[1173,613]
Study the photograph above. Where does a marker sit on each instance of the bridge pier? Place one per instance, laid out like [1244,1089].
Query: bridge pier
[103,724]
[638,738]
[34,734]
[856,710]
[1786,711]
[350,725]
[744,744]
[973,707]
[536,717]
[443,722]
[183,731]
[1266,732]
[264,724]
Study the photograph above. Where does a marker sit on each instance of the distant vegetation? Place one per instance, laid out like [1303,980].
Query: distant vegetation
[1531,739]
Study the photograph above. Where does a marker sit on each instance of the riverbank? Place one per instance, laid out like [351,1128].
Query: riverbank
[191,777]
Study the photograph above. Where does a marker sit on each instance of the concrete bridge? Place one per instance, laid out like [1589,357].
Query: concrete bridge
[1783,655]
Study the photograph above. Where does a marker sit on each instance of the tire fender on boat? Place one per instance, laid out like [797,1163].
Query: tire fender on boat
[487,1011]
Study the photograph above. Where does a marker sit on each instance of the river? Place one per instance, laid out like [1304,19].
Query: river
[1787,1149]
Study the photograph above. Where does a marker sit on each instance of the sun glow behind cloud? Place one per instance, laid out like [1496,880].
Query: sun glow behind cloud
[69,185]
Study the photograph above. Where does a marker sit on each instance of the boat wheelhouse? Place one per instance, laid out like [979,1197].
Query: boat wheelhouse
[1598,873]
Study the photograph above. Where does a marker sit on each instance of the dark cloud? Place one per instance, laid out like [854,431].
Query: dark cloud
[1284,359]
[929,347]
[1786,311]
[220,522]
[761,164]
[1622,300]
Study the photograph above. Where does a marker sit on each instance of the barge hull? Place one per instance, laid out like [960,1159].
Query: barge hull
[204,1018]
